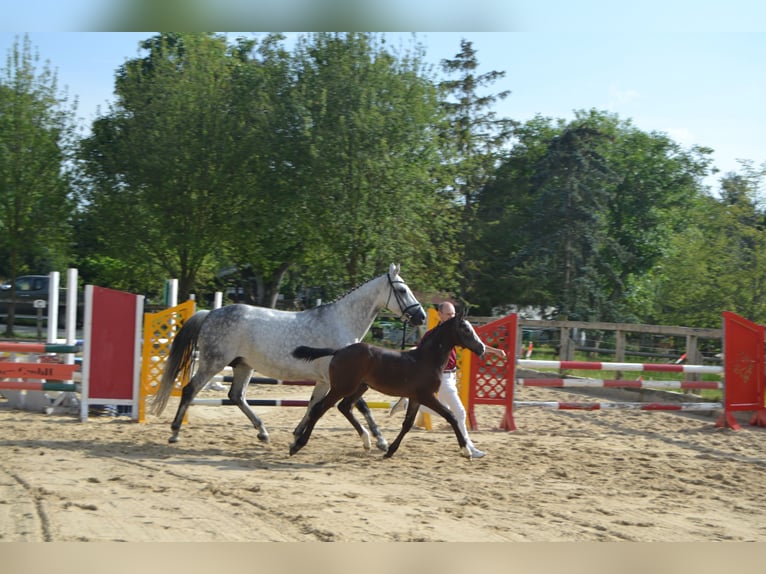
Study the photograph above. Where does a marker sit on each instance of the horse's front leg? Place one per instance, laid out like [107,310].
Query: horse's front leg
[321,388]
[409,419]
[381,441]
[435,405]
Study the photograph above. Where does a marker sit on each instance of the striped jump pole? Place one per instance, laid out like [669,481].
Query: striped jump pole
[57,371]
[619,384]
[39,386]
[24,383]
[743,374]
[41,348]
[568,406]
[265,381]
[639,367]
[254,402]
[280,403]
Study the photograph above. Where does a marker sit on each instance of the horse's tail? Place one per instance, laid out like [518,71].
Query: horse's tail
[179,360]
[311,353]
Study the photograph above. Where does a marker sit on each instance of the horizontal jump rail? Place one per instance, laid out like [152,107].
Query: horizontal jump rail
[616,383]
[265,381]
[10,347]
[58,371]
[38,386]
[620,406]
[279,403]
[600,366]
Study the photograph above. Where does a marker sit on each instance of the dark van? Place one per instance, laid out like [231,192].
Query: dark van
[32,288]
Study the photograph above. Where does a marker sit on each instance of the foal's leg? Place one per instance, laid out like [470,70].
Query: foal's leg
[315,413]
[433,403]
[409,418]
[321,388]
[381,441]
[237,393]
[346,406]
[200,378]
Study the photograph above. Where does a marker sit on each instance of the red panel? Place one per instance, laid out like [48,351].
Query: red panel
[492,379]
[744,363]
[112,345]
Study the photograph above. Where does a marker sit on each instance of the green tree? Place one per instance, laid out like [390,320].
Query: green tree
[323,163]
[374,157]
[163,170]
[277,212]
[580,212]
[716,263]
[36,140]
[478,138]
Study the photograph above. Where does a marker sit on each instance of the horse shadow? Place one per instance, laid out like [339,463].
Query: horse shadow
[255,456]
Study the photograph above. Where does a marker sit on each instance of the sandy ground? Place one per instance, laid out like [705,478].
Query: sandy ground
[562,476]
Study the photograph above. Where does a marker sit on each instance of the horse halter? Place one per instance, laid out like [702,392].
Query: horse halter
[406,315]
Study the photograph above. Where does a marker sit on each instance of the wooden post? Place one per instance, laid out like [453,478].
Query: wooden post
[619,350]
[693,356]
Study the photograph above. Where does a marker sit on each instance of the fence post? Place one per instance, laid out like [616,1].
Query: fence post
[693,355]
[619,350]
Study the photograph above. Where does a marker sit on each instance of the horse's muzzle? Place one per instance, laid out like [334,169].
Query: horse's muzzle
[416,316]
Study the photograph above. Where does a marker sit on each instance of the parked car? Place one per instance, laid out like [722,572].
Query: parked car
[31,288]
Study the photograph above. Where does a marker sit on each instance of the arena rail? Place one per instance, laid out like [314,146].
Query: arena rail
[29,370]
[743,372]
[24,383]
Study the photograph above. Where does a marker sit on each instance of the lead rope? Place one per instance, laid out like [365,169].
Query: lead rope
[404,333]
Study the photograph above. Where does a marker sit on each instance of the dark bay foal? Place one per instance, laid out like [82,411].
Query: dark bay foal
[414,374]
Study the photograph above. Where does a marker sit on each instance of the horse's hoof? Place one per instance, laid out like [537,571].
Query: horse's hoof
[466,453]
[264,438]
[382,444]
[294,449]
[173,439]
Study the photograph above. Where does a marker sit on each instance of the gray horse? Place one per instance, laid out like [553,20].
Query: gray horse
[248,338]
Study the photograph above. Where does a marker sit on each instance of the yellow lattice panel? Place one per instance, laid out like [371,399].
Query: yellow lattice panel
[159,331]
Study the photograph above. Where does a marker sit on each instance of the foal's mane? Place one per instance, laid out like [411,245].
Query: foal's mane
[436,332]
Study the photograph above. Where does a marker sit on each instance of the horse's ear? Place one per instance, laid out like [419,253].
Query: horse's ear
[393,270]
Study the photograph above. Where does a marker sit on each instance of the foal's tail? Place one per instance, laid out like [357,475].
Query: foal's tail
[179,360]
[311,353]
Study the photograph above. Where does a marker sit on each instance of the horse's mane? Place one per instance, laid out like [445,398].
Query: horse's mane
[347,293]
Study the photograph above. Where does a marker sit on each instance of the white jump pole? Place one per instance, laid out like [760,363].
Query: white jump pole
[53,306]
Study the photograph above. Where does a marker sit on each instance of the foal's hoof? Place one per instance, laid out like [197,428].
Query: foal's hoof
[294,449]
[173,439]
[389,452]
